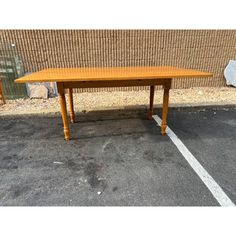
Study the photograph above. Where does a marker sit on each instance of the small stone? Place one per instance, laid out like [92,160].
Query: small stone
[37,91]
[99,193]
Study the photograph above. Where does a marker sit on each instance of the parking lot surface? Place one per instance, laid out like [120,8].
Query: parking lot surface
[116,158]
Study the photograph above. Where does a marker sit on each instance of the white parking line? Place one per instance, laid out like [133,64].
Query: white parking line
[211,184]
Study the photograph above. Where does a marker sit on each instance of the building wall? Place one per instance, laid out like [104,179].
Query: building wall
[208,50]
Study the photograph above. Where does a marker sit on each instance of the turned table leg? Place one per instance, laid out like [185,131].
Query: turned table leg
[165,106]
[1,92]
[152,89]
[71,105]
[62,100]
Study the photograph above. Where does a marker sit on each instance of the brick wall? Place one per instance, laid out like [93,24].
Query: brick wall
[208,50]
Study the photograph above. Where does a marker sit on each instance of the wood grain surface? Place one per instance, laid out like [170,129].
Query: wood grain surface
[109,74]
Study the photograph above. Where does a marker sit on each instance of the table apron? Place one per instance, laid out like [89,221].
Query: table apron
[115,83]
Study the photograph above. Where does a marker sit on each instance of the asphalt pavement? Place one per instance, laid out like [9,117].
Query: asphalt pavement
[116,158]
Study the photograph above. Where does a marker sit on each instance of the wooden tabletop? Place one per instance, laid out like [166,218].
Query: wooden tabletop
[109,74]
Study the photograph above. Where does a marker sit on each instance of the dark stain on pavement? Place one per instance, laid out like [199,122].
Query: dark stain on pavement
[114,188]
[19,190]
[9,162]
[153,157]
[149,155]
[74,165]
[91,171]
[119,160]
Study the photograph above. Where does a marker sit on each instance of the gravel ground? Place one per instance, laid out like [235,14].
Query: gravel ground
[108,100]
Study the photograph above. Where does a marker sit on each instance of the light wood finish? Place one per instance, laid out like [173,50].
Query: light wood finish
[150,112]
[62,100]
[1,93]
[69,78]
[109,73]
[71,105]
[114,83]
[166,87]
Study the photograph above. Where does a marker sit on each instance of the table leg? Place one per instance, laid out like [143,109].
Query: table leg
[71,105]
[62,100]
[1,92]
[165,106]
[152,89]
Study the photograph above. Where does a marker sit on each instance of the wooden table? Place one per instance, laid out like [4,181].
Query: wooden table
[69,78]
